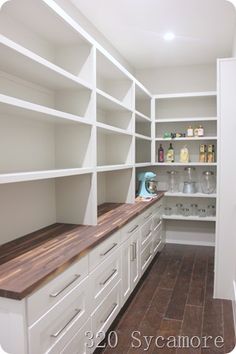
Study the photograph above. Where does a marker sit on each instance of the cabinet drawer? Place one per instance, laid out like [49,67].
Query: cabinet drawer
[146,233]
[157,237]
[62,322]
[104,278]
[146,257]
[156,219]
[147,215]
[104,250]
[106,313]
[128,230]
[47,296]
[79,343]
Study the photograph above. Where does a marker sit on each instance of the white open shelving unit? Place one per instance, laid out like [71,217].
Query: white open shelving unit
[173,113]
[70,117]
[76,127]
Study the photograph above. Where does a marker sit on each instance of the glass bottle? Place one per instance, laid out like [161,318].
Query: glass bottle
[208,182]
[170,156]
[173,185]
[161,154]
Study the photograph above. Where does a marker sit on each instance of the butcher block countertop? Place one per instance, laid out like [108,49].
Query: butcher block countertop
[32,260]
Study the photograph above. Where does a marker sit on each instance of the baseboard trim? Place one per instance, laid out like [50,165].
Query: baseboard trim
[191,243]
[234,305]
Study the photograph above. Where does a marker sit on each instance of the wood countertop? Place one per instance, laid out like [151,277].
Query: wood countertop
[32,260]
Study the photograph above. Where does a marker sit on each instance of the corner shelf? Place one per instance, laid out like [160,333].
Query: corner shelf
[142,117]
[192,195]
[188,218]
[185,120]
[112,130]
[186,95]
[204,164]
[113,168]
[188,139]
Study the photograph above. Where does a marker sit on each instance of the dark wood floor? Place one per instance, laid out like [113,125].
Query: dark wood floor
[176,299]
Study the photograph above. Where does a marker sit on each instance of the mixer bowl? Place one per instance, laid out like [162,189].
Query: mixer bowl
[151,186]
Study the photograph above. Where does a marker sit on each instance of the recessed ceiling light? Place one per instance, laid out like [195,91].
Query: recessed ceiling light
[169,36]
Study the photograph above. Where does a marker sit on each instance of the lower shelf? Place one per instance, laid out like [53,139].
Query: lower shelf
[189,218]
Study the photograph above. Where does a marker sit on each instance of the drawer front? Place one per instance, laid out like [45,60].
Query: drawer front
[106,313]
[47,296]
[156,220]
[104,278]
[146,257]
[104,250]
[62,322]
[128,230]
[146,233]
[80,342]
[147,214]
[157,237]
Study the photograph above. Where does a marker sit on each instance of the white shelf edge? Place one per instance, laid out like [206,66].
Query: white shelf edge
[112,129]
[188,218]
[113,99]
[113,168]
[188,139]
[35,58]
[144,137]
[39,175]
[193,195]
[185,120]
[186,95]
[205,164]
[143,116]
[15,103]
[143,164]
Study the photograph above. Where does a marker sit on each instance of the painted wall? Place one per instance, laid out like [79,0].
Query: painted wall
[234,46]
[179,79]
[91,29]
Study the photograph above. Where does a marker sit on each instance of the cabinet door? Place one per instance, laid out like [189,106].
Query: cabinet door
[126,270]
[157,238]
[135,259]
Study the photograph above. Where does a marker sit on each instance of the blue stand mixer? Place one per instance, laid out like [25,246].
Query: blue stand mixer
[147,184]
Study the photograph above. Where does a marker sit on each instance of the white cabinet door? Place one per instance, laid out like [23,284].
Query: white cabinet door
[226,208]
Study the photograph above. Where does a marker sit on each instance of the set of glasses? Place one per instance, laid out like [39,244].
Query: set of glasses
[192,210]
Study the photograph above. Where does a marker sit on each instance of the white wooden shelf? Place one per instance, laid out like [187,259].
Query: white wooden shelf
[188,139]
[192,195]
[14,106]
[141,136]
[113,168]
[113,100]
[187,95]
[185,120]
[40,175]
[204,164]
[109,129]
[143,164]
[143,116]
[30,66]
[188,218]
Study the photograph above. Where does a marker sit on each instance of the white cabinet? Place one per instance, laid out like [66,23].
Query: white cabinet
[146,257]
[157,238]
[80,343]
[130,264]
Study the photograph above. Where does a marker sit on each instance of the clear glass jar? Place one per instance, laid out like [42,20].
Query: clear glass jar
[208,182]
[186,212]
[194,209]
[173,184]
[179,208]
[211,210]
[168,211]
[202,213]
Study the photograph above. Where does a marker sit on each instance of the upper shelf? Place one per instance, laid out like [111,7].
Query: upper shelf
[186,120]
[17,107]
[196,138]
[30,66]
[186,94]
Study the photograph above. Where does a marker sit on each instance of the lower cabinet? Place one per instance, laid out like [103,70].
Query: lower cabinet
[130,256]
[157,238]
[146,257]
[105,314]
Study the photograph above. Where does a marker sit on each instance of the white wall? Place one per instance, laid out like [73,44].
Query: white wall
[234,46]
[91,29]
[179,78]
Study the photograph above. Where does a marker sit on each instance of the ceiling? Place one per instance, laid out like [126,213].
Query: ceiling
[204,29]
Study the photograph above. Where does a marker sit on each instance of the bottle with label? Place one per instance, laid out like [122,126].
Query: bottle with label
[190,132]
[170,156]
[161,154]
[203,153]
[211,154]
[200,131]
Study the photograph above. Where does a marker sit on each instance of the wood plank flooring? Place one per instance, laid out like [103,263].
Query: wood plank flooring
[176,299]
